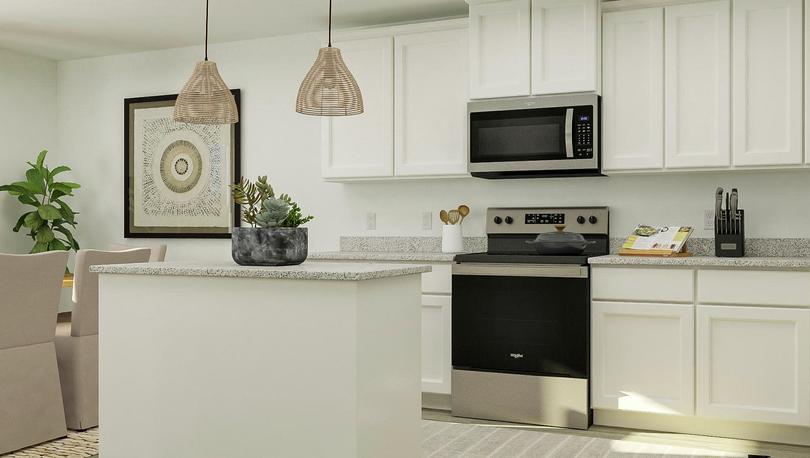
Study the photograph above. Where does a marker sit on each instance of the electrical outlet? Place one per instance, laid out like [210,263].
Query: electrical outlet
[708,220]
[427,221]
[371,221]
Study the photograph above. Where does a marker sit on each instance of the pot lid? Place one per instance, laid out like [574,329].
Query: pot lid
[559,236]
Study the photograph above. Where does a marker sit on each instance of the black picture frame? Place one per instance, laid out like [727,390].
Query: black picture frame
[131,231]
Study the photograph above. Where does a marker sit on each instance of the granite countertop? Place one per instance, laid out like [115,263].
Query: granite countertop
[382,256]
[305,271]
[748,262]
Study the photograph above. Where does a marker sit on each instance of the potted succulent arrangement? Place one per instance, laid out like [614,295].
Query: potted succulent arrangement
[274,237]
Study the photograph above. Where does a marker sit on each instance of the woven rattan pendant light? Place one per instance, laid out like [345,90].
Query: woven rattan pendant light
[206,99]
[329,89]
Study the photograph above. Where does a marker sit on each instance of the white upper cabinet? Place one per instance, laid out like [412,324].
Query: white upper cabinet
[363,145]
[643,357]
[431,103]
[697,88]
[500,35]
[632,89]
[564,45]
[767,82]
[753,363]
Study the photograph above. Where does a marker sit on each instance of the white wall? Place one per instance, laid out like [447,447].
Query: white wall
[27,126]
[286,146]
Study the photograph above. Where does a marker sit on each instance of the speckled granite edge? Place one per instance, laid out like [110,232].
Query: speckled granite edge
[755,247]
[381,256]
[406,244]
[748,262]
[306,271]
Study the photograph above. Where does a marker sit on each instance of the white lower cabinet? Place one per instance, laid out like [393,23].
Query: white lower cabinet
[436,343]
[753,363]
[643,357]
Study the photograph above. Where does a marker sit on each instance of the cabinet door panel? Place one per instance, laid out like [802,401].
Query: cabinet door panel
[564,46]
[753,363]
[431,103]
[363,145]
[767,84]
[500,36]
[436,344]
[643,357]
[698,100]
[632,89]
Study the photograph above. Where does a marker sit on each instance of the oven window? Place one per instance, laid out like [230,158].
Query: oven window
[517,135]
[525,325]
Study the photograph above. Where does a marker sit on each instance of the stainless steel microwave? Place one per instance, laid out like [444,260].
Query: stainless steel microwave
[550,135]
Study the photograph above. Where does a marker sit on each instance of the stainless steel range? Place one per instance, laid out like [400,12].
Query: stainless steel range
[521,320]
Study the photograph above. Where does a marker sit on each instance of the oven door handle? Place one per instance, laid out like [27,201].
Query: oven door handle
[569,133]
[513,270]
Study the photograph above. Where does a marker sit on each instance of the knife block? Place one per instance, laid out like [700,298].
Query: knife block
[730,243]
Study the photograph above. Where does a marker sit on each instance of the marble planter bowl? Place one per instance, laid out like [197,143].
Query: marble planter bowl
[275,246]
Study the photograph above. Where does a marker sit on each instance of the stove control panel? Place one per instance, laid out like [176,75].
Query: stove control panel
[522,220]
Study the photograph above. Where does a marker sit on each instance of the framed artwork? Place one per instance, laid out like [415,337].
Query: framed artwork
[177,175]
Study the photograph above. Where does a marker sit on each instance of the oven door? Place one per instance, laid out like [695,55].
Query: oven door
[524,319]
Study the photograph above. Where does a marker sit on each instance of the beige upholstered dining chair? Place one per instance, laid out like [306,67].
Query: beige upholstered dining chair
[30,399]
[158,253]
[77,340]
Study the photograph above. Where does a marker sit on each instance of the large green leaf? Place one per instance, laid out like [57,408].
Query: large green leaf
[33,221]
[14,189]
[68,235]
[45,235]
[68,184]
[39,248]
[28,200]
[36,181]
[41,157]
[20,222]
[48,212]
[62,189]
[57,171]
[57,245]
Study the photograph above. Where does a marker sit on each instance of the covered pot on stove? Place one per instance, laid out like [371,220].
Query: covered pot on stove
[560,242]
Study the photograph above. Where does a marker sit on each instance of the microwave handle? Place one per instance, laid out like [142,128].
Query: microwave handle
[569,133]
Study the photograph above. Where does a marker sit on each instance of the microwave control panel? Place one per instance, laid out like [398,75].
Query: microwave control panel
[583,132]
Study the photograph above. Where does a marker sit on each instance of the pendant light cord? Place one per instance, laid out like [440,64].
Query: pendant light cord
[206,29]
[330,23]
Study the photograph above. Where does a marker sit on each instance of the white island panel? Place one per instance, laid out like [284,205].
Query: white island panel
[212,366]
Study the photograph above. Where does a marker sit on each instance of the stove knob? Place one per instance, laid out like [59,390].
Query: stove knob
[581,219]
[509,220]
[497,220]
[592,219]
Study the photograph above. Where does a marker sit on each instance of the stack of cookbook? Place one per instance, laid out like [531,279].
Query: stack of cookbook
[657,241]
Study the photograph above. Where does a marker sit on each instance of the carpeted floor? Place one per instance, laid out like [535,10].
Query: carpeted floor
[77,444]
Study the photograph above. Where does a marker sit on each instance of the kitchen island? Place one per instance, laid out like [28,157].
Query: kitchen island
[213,360]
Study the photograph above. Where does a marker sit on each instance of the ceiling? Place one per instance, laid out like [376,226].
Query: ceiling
[71,29]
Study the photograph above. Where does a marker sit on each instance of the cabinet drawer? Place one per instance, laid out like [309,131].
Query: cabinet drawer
[642,284]
[754,287]
[439,280]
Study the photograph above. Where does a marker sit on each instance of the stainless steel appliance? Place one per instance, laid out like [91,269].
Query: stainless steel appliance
[521,320]
[550,135]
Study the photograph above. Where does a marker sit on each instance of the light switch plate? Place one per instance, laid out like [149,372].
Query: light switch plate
[371,221]
[708,220]
[427,221]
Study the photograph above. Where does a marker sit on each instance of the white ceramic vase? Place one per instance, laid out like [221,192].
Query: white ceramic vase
[452,241]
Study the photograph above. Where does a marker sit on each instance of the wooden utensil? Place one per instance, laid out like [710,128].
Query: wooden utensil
[444,216]
[463,210]
[453,216]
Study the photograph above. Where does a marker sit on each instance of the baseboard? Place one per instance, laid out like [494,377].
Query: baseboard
[436,401]
[766,432]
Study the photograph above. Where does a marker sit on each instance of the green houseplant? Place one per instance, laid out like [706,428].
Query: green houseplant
[50,222]
[274,237]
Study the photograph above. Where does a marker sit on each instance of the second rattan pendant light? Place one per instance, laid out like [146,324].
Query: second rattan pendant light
[329,89]
[206,99]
